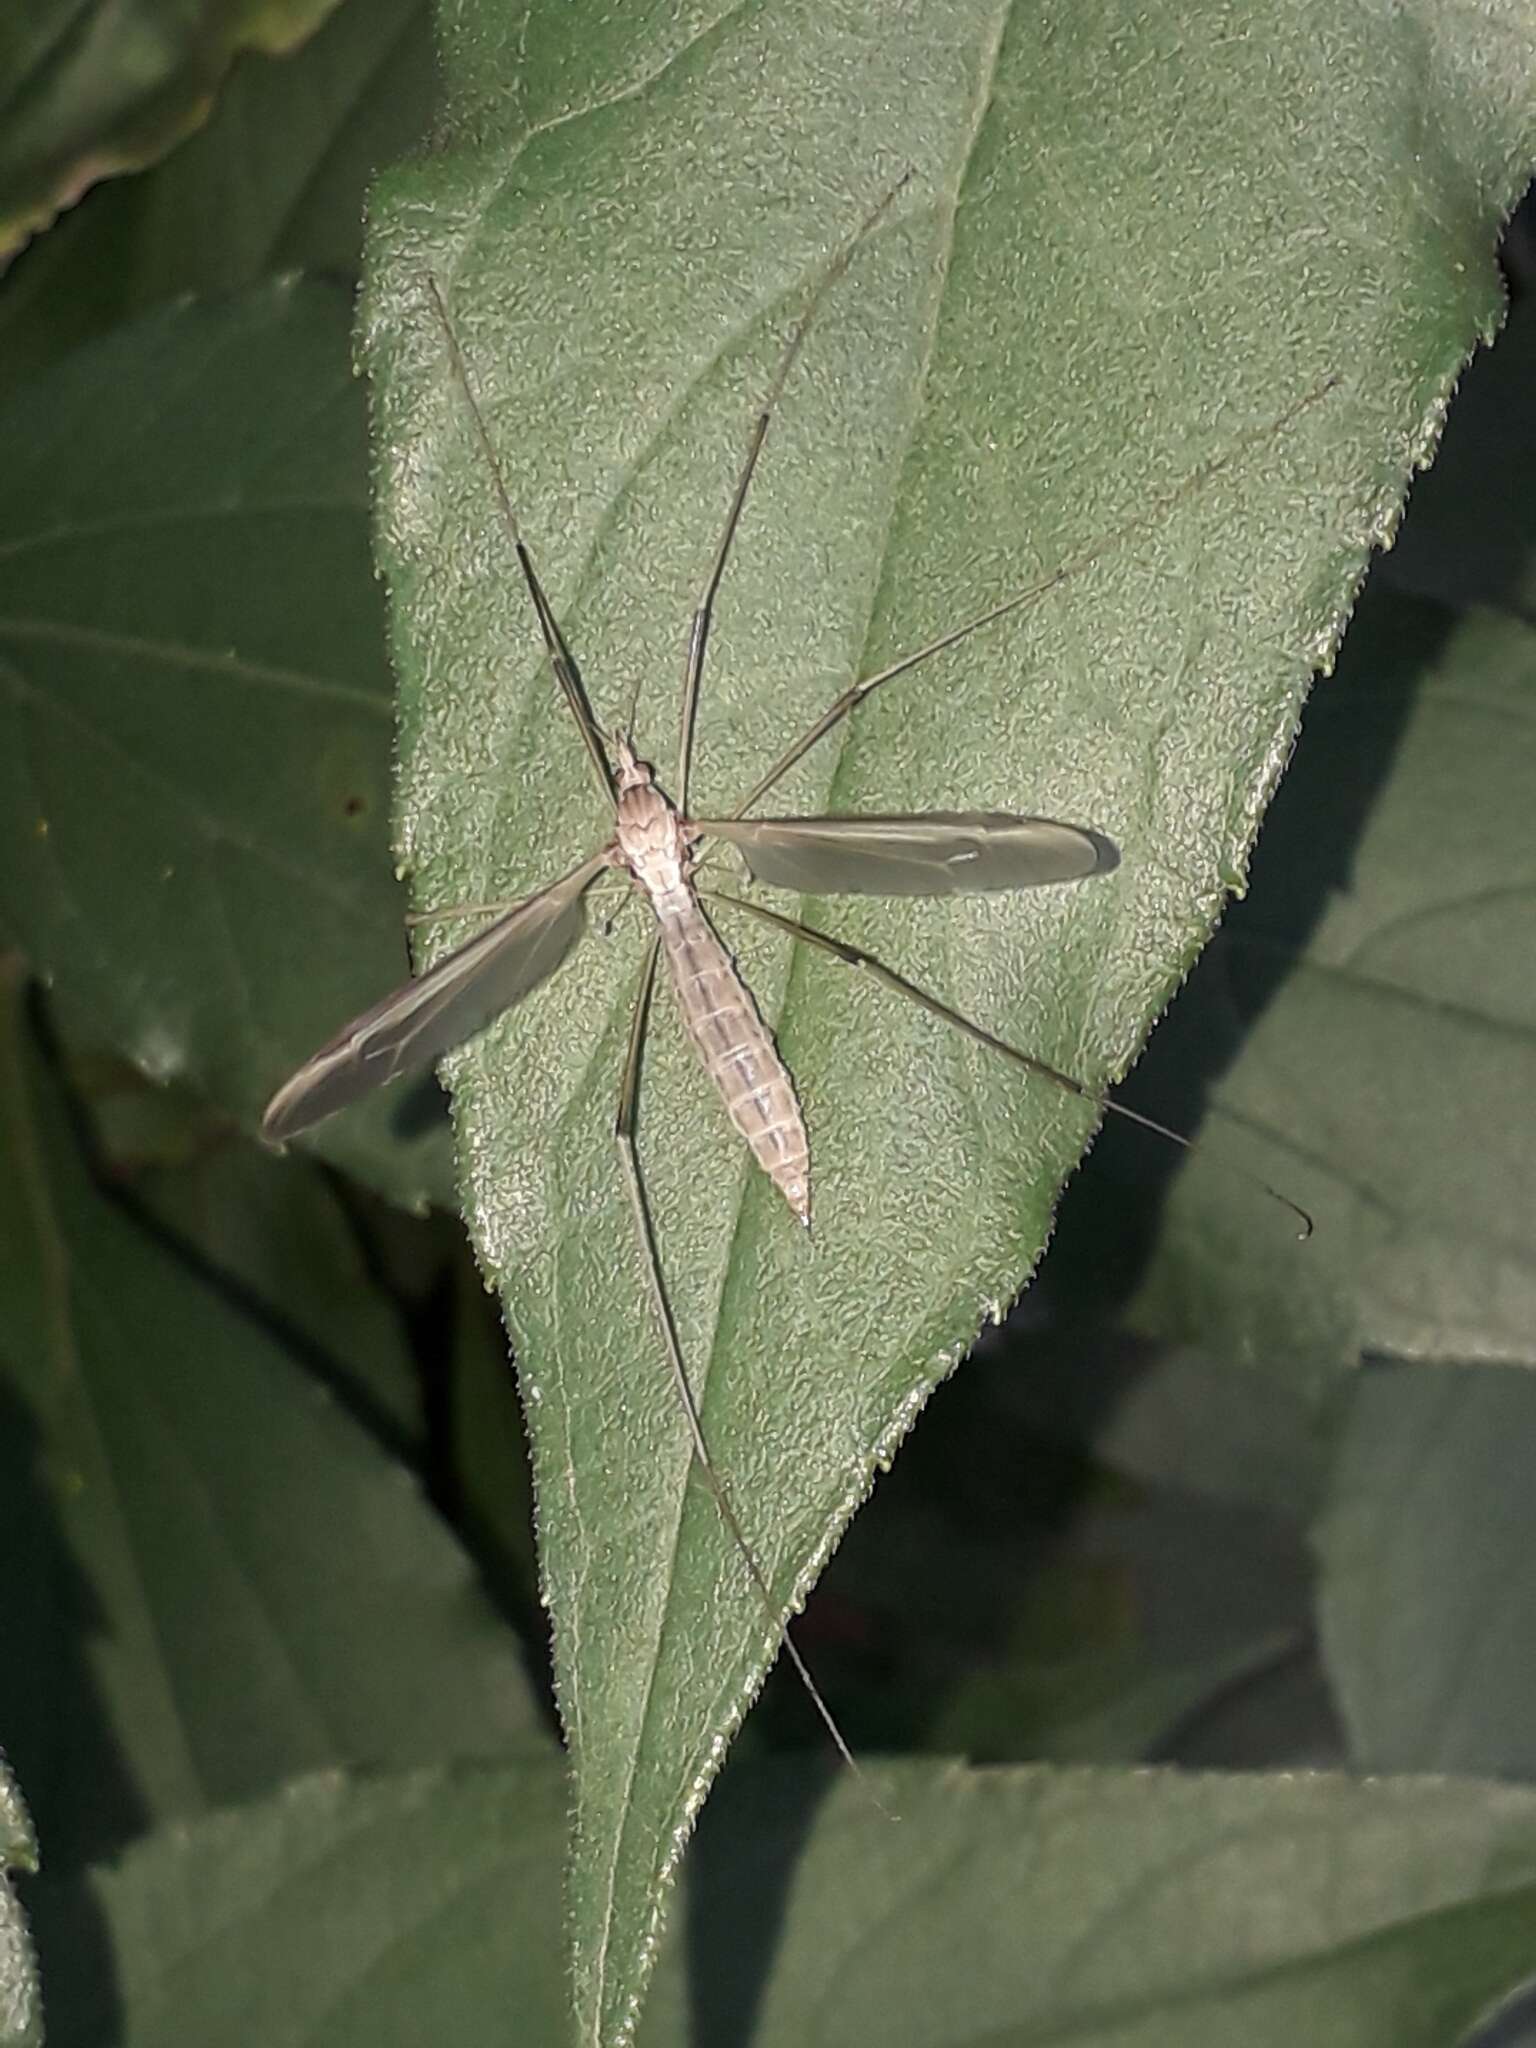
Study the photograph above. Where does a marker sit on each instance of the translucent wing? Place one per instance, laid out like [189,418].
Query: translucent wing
[931,853]
[457,996]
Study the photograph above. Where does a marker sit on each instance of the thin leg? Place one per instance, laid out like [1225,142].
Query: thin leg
[698,639]
[650,1258]
[415,919]
[1074,565]
[561,659]
[855,956]
[608,924]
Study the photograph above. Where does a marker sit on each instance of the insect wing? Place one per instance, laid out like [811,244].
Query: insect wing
[928,853]
[458,996]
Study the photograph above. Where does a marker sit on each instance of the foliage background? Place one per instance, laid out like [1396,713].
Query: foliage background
[276,1689]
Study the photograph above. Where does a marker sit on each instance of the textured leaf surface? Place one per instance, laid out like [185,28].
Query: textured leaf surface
[21,2006]
[1022,1908]
[1109,269]
[194,706]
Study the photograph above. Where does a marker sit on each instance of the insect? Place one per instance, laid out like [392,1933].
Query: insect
[655,840]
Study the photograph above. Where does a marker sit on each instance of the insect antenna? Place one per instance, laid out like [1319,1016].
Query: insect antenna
[698,638]
[1032,593]
[561,660]
[632,709]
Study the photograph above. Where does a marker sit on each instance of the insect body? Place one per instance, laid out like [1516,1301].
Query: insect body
[931,853]
[738,1052]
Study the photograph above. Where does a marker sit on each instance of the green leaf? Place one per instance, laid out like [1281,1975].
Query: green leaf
[1007,1601]
[21,2006]
[1385,968]
[349,1909]
[1383,946]
[1259,1443]
[1022,1908]
[274,1233]
[1112,1909]
[1428,1610]
[273,181]
[490,1446]
[194,706]
[93,90]
[216,1578]
[1470,534]
[1109,269]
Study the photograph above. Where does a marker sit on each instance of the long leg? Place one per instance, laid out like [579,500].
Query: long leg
[561,660]
[1074,565]
[855,956]
[418,919]
[415,919]
[698,638]
[650,1258]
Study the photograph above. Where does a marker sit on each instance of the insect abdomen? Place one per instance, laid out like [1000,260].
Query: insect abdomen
[739,1055]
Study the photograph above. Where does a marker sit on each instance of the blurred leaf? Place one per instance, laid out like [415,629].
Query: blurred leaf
[194,706]
[88,91]
[1182,1600]
[138,1125]
[1160,1414]
[1107,272]
[1428,1604]
[1384,972]
[340,1276]
[1002,1600]
[273,1232]
[275,180]
[21,2008]
[214,1579]
[1106,1909]
[1340,1914]
[380,1910]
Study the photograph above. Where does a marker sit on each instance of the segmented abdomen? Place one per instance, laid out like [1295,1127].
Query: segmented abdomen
[738,1054]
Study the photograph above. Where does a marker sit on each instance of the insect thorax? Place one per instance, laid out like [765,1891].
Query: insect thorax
[650,838]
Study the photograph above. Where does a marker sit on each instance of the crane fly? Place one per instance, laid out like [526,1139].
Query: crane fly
[655,841]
